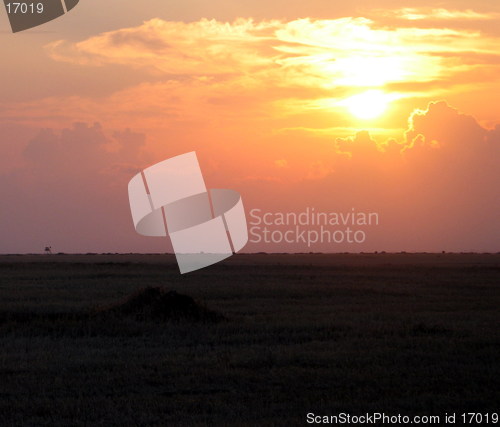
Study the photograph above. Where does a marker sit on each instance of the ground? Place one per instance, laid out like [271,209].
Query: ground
[311,333]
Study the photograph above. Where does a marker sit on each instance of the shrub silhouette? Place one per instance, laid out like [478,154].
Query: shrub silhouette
[154,303]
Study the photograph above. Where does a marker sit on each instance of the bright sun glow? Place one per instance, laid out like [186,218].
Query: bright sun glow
[367,105]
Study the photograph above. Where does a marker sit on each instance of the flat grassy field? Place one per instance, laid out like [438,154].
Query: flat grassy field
[394,333]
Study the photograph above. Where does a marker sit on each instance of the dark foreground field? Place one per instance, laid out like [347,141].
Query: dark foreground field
[409,334]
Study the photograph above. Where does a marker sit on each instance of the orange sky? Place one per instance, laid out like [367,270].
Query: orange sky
[320,105]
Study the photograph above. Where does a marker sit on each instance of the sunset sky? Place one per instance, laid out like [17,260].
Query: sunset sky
[331,105]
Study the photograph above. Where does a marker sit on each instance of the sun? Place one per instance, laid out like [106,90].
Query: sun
[367,105]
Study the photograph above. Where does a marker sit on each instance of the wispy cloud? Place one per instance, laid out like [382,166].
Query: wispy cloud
[328,53]
[417,14]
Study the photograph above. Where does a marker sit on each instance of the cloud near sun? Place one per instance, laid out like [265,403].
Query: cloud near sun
[321,75]
[349,68]
[327,54]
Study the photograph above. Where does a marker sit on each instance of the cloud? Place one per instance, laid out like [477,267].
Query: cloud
[198,48]
[306,52]
[82,148]
[207,70]
[440,179]
[242,69]
[70,191]
[440,128]
[417,14]
[445,125]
